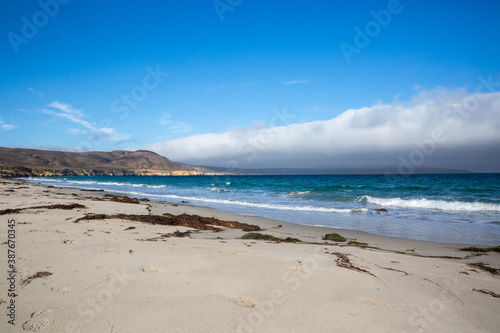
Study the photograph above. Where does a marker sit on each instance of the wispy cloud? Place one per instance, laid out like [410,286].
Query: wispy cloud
[67,112]
[41,95]
[227,85]
[217,86]
[6,127]
[289,83]
[49,147]
[249,84]
[435,124]
[173,125]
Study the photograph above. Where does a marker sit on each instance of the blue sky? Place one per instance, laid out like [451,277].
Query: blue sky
[223,69]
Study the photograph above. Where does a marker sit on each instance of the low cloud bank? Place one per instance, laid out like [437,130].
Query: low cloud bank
[438,128]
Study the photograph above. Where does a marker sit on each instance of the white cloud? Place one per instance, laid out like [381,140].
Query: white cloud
[49,147]
[217,86]
[289,83]
[41,95]
[173,125]
[227,85]
[91,131]
[66,108]
[6,127]
[438,128]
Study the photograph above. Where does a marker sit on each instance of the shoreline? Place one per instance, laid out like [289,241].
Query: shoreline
[342,229]
[230,284]
[353,234]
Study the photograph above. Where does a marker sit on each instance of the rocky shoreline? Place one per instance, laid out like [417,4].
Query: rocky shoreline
[19,162]
[14,172]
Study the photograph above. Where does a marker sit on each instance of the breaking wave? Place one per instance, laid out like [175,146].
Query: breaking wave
[254,204]
[433,204]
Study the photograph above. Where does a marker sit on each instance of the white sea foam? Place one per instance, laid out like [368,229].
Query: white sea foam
[157,186]
[252,204]
[92,182]
[218,189]
[39,179]
[433,204]
[295,194]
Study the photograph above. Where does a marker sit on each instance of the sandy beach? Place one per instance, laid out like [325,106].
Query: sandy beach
[81,272]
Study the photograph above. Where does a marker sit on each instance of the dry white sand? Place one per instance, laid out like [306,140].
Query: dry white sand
[109,279]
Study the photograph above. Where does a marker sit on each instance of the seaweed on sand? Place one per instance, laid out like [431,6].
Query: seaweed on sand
[34,276]
[487,292]
[122,199]
[343,261]
[356,243]
[481,249]
[180,234]
[334,237]
[56,206]
[185,220]
[485,267]
[163,236]
[266,237]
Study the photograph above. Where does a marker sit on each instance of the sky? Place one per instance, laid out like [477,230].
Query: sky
[239,83]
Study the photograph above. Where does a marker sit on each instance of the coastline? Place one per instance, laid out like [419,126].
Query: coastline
[368,203]
[231,284]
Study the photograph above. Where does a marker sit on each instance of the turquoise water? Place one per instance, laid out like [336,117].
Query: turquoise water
[454,208]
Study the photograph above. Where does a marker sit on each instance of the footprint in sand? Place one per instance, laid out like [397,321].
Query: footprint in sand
[243,301]
[297,269]
[370,301]
[25,257]
[148,268]
[112,250]
[23,273]
[39,321]
[59,287]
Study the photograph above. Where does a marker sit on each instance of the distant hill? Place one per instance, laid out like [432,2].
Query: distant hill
[205,170]
[19,162]
[334,171]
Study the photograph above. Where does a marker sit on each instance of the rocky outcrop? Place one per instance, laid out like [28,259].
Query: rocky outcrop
[9,172]
[15,162]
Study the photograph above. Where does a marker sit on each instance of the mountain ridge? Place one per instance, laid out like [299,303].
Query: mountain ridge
[23,162]
[335,171]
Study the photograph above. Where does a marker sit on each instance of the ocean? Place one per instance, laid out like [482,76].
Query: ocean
[451,208]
